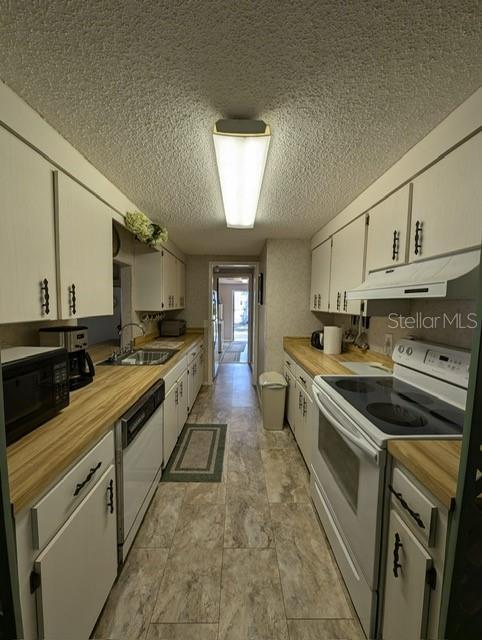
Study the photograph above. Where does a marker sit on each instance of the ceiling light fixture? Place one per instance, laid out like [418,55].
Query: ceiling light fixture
[241,148]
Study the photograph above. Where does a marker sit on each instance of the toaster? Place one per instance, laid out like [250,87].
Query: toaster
[172,328]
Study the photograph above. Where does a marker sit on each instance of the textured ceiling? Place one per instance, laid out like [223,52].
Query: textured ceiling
[347,88]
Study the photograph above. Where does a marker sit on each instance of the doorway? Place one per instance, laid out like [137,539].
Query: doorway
[233,325]
[234,319]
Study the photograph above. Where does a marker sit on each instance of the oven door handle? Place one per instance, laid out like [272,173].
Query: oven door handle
[361,443]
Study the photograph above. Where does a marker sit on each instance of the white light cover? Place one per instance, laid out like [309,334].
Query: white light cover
[241,160]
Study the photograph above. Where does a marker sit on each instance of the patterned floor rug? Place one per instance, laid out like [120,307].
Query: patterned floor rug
[198,455]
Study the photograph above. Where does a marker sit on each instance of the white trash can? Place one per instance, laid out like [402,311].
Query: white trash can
[273,393]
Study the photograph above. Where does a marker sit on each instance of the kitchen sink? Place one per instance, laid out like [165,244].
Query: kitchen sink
[142,357]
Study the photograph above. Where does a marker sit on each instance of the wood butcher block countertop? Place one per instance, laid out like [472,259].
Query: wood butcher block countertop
[315,362]
[435,463]
[36,461]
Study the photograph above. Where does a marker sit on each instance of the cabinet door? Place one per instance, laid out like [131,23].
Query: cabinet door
[200,372]
[181,284]
[169,280]
[320,277]
[182,386]
[347,262]
[147,279]
[84,250]
[447,203]
[171,426]
[302,433]
[388,230]
[291,398]
[78,567]
[27,233]
[406,600]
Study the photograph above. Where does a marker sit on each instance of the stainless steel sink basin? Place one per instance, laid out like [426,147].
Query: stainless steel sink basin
[142,357]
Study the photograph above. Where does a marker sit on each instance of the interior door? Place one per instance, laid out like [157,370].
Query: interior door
[27,240]
[84,247]
[171,428]
[406,596]
[78,567]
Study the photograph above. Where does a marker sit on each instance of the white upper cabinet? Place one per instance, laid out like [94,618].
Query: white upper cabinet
[181,284]
[159,280]
[388,231]
[169,280]
[27,234]
[447,204]
[84,251]
[347,263]
[320,277]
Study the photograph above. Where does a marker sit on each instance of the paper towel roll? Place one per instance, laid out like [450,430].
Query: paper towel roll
[332,340]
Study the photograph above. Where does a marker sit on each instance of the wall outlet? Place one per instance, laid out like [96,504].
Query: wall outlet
[388,345]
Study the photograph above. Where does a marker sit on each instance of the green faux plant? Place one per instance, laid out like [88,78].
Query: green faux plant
[145,231]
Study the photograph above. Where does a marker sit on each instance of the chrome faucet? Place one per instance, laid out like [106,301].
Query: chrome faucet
[130,346]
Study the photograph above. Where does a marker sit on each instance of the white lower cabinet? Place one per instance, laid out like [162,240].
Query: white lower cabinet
[301,411]
[407,591]
[306,413]
[179,401]
[78,567]
[291,398]
[171,421]
[182,395]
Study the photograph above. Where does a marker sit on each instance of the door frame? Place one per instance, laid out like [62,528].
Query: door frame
[254,265]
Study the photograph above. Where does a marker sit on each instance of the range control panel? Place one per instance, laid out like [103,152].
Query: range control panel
[447,363]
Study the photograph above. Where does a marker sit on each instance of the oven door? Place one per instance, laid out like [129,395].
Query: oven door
[350,471]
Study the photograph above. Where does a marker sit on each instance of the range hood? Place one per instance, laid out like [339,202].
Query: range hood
[453,276]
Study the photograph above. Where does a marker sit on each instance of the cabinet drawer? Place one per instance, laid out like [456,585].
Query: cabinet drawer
[193,354]
[289,363]
[50,513]
[303,379]
[414,506]
[174,374]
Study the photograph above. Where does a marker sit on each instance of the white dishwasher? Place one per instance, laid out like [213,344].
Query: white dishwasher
[139,437]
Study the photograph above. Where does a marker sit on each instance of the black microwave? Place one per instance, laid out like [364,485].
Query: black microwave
[35,387]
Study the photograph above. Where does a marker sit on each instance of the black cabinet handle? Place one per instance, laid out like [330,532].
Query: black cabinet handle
[300,400]
[418,237]
[396,244]
[396,555]
[73,300]
[44,287]
[338,297]
[88,478]
[404,503]
[314,300]
[345,302]
[302,380]
[110,492]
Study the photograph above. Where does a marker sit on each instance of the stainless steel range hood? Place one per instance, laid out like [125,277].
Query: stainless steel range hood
[453,276]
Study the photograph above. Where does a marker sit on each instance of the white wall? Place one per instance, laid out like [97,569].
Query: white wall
[287,269]
[458,125]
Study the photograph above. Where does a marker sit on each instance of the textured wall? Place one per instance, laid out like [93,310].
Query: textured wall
[287,292]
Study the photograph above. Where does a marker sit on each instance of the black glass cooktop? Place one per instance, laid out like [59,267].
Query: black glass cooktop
[398,408]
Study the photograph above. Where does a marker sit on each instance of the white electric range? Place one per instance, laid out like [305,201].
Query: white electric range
[424,398]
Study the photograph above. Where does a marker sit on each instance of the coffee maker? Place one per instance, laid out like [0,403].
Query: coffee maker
[75,340]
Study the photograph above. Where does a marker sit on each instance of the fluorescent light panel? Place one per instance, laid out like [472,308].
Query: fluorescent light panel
[241,159]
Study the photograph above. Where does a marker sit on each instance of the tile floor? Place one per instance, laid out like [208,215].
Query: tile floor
[244,559]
